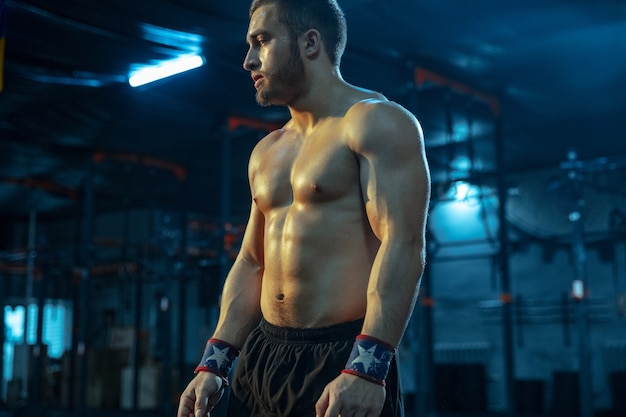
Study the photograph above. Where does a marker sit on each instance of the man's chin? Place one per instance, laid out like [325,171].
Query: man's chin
[266,101]
[262,99]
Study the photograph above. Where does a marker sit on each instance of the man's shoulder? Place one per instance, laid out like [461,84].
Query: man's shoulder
[376,121]
[377,109]
[369,101]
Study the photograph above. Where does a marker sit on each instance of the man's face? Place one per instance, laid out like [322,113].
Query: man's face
[274,60]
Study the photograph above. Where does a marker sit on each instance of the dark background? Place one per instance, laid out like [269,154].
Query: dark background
[555,69]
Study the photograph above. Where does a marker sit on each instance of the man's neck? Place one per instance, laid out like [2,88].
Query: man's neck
[322,101]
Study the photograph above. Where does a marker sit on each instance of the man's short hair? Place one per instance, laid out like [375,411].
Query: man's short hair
[301,15]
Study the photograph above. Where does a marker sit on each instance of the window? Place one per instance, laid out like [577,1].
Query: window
[56,332]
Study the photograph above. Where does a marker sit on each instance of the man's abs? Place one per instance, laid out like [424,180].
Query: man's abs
[317,267]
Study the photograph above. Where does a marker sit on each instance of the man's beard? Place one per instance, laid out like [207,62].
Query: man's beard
[286,84]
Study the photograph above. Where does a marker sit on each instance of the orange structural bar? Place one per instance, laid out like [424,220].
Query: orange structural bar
[130,268]
[43,184]
[178,170]
[425,77]
[235,122]
[506,298]
[427,301]
[19,269]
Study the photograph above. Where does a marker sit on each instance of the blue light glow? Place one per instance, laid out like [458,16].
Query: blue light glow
[189,42]
[465,192]
[165,69]
[468,212]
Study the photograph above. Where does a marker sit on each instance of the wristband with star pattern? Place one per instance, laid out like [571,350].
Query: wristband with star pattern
[370,359]
[218,358]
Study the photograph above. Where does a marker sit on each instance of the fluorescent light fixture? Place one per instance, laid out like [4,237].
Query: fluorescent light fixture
[165,69]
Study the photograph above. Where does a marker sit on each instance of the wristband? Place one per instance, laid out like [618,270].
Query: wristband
[218,358]
[370,359]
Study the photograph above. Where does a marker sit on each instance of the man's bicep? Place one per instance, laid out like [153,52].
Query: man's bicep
[395,177]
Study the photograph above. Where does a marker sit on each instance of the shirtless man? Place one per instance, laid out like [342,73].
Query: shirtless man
[328,273]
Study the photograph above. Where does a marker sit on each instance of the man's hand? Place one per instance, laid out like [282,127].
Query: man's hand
[350,395]
[201,395]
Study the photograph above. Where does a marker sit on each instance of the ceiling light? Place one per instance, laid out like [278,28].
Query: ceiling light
[164,69]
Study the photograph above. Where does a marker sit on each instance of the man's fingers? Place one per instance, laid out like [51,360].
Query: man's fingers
[333,409]
[322,404]
[186,404]
[200,406]
[327,405]
[185,409]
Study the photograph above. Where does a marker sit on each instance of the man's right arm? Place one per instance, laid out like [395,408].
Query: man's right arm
[240,312]
[240,309]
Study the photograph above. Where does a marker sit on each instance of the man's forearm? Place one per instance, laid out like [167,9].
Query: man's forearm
[392,291]
[240,310]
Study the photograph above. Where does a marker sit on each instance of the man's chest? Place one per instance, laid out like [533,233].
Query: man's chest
[311,171]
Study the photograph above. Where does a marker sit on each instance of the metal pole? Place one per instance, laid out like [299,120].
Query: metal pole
[2,332]
[30,280]
[73,365]
[579,286]
[136,352]
[39,354]
[178,290]
[182,311]
[426,364]
[425,372]
[165,313]
[505,275]
[85,252]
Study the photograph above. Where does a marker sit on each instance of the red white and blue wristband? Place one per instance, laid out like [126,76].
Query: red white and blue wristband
[218,358]
[370,359]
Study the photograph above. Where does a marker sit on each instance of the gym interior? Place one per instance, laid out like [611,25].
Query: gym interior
[123,206]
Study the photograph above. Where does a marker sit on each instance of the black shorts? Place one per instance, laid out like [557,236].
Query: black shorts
[282,372]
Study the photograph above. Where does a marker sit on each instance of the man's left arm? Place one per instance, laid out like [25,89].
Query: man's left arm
[396,190]
[395,183]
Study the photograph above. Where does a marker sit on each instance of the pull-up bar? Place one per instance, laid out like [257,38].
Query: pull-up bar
[424,77]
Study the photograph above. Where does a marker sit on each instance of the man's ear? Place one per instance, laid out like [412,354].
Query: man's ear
[312,43]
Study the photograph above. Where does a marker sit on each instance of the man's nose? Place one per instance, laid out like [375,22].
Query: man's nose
[251,61]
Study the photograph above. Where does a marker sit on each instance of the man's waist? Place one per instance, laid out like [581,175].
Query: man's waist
[346,330]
